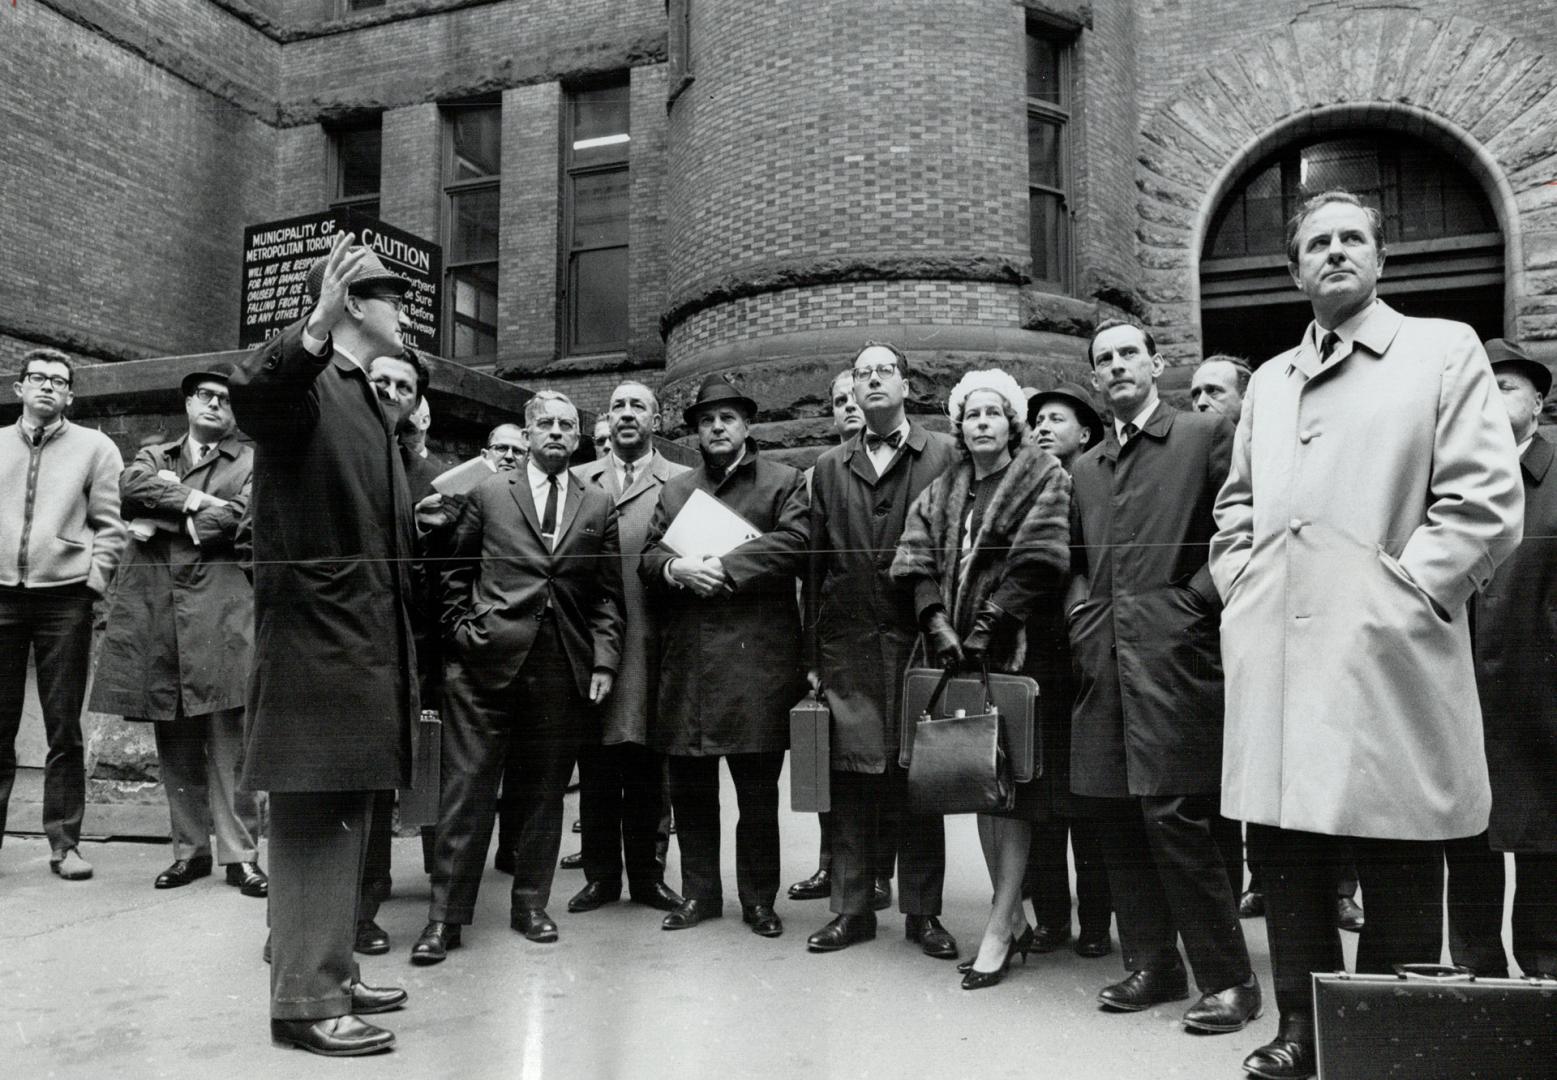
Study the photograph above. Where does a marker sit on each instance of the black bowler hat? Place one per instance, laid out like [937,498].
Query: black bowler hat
[718,390]
[1504,353]
[220,373]
[1078,399]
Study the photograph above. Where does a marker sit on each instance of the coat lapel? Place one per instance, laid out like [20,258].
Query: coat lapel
[521,493]
[1538,459]
[569,508]
[646,478]
[859,461]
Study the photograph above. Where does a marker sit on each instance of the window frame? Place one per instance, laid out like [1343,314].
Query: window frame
[1061,117]
[567,311]
[449,190]
[336,170]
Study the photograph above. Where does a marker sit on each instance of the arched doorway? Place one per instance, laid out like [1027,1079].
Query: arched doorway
[1444,248]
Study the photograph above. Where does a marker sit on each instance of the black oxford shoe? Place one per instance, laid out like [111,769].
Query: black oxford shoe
[815,887]
[880,893]
[691,912]
[843,931]
[249,879]
[367,999]
[436,941]
[657,895]
[931,937]
[1348,914]
[763,920]
[574,861]
[183,871]
[339,1036]
[1227,1010]
[1289,1056]
[371,939]
[594,894]
[1093,943]
[1049,938]
[1251,905]
[534,924]
[1143,989]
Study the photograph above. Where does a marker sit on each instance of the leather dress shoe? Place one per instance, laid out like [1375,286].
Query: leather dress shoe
[1251,905]
[70,865]
[594,894]
[656,895]
[843,931]
[815,887]
[436,941]
[534,924]
[367,999]
[880,893]
[1049,938]
[578,825]
[1143,989]
[1227,1010]
[1348,914]
[763,920]
[1289,1056]
[249,879]
[691,912]
[932,938]
[371,939]
[1093,943]
[181,873]
[574,861]
[503,861]
[265,952]
[338,1036]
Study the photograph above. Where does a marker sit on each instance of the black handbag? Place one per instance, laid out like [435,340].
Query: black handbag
[959,763]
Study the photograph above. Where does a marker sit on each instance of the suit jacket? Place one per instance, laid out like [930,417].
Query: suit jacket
[1148,713]
[1514,627]
[625,716]
[860,624]
[1369,497]
[332,700]
[180,633]
[499,578]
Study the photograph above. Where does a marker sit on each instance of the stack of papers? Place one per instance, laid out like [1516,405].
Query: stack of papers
[707,527]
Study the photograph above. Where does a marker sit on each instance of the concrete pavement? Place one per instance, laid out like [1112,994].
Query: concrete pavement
[110,978]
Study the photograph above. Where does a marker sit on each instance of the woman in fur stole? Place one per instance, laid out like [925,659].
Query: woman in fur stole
[984,545]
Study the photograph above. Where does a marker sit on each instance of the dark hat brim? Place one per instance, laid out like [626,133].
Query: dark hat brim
[1537,372]
[745,404]
[1084,411]
[189,382]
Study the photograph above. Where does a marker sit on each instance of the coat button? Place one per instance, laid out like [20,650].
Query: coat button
[1296,524]
[1306,436]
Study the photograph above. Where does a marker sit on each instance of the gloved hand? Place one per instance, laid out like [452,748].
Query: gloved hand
[990,621]
[941,638]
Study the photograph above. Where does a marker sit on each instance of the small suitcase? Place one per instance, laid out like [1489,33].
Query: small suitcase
[1434,1022]
[810,756]
[419,802]
[1015,696]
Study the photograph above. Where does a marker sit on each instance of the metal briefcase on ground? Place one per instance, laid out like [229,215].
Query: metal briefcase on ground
[1015,696]
[810,756]
[1434,1022]
[419,802]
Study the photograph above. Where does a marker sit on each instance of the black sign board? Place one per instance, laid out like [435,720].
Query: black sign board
[277,255]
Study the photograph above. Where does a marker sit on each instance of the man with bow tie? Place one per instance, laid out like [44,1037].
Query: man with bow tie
[181,632]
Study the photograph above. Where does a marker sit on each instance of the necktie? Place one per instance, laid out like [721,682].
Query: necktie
[1128,432]
[1327,345]
[873,441]
[205,452]
[549,518]
[627,475]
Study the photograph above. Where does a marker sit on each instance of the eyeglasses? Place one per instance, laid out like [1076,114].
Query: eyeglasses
[602,441]
[38,378]
[396,302]
[206,396]
[885,369]
[506,449]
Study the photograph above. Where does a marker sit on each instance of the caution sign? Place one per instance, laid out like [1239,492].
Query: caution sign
[277,255]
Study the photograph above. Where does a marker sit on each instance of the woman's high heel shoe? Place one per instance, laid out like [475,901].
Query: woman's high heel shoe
[1023,945]
[975,979]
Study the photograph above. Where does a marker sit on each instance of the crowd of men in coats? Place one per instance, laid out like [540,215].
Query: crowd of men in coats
[1303,605]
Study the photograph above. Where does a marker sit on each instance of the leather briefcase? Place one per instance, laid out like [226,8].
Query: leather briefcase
[419,802]
[810,756]
[958,763]
[1014,696]
[1434,1022]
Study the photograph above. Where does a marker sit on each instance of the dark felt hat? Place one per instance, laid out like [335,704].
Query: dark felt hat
[218,373]
[1504,353]
[1077,398]
[373,276]
[718,390]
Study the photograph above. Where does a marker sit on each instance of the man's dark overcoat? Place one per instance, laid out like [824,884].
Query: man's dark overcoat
[1514,627]
[861,624]
[730,665]
[333,698]
[1148,713]
[181,622]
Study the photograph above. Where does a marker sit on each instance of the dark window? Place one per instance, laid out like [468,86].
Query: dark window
[595,215]
[472,165]
[678,14]
[355,163]
[1049,97]
[363,5]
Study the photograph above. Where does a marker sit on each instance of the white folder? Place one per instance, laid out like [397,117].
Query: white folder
[705,526]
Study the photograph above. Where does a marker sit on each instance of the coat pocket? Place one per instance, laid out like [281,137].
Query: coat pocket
[1395,570]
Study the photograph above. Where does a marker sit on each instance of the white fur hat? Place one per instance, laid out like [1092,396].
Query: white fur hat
[990,379]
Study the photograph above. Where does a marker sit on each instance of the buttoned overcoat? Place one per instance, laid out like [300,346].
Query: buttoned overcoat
[1514,627]
[181,621]
[333,699]
[730,664]
[861,625]
[1148,713]
[1369,497]
[625,714]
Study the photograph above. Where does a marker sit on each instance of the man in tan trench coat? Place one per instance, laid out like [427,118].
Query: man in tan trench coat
[1374,488]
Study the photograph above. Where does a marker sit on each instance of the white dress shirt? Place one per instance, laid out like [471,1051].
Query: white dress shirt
[1139,419]
[538,491]
[1347,332]
[881,454]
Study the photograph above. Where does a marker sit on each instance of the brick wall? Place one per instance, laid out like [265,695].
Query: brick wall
[647,265]
[527,333]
